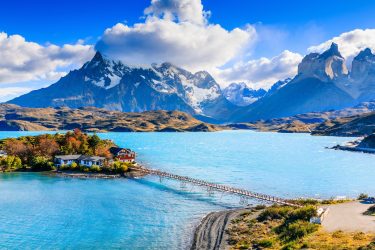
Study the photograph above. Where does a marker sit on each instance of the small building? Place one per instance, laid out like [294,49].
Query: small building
[83,160]
[321,213]
[89,161]
[3,153]
[61,160]
[123,154]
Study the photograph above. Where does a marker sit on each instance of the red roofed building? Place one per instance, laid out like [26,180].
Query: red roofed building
[123,154]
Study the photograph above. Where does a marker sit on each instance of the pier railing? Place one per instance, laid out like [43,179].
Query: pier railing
[223,188]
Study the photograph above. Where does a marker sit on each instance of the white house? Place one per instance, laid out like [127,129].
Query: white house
[66,159]
[89,161]
[3,153]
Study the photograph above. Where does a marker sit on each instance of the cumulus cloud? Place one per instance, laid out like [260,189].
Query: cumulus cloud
[176,31]
[263,72]
[180,10]
[22,60]
[350,43]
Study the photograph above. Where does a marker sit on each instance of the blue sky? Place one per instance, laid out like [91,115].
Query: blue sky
[67,21]
[279,31]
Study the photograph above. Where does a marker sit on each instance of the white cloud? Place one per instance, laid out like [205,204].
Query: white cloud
[8,93]
[263,72]
[176,31]
[350,43]
[22,60]
[181,10]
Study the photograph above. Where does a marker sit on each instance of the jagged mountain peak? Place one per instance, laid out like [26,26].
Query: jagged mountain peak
[365,55]
[240,94]
[106,83]
[332,51]
[326,66]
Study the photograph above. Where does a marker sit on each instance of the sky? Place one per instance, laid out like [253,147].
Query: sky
[257,42]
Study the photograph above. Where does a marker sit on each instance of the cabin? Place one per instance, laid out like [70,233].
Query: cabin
[3,153]
[123,154]
[83,160]
[61,160]
[89,161]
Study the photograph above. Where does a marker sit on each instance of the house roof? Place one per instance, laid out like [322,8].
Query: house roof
[91,158]
[116,150]
[67,157]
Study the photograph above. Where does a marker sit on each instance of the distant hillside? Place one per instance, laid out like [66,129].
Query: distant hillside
[361,125]
[16,118]
[356,121]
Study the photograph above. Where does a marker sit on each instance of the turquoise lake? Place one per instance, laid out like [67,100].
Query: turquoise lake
[38,211]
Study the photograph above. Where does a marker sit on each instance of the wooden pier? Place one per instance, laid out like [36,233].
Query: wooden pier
[243,193]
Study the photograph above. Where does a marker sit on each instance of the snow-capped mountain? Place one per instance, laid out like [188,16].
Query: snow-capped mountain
[242,95]
[323,83]
[109,84]
[278,85]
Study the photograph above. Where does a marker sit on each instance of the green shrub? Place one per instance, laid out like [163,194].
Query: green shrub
[260,207]
[11,163]
[362,196]
[370,211]
[41,163]
[266,243]
[120,167]
[95,169]
[303,213]
[275,213]
[297,230]
[73,166]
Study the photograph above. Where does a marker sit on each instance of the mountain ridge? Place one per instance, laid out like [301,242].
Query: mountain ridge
[109,84]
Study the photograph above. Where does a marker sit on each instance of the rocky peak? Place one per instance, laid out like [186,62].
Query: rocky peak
[363,65]
[326,66]
[332,51]
[365,55]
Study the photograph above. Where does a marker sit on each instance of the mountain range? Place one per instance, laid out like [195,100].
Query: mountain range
[323,83]
[242,95]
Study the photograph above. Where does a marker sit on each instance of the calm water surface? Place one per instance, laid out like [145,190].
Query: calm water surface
[37,211]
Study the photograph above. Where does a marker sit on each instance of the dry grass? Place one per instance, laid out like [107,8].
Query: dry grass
[248,233]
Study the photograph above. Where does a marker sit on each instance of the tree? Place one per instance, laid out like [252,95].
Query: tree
[47,147]
[41,163]
[94,141]
[16,147]
[11,163]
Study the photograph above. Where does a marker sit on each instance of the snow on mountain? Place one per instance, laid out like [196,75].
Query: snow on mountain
[105,83]
[242,95]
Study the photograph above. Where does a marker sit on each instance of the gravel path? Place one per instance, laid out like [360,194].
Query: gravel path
[349,217]
[210,234]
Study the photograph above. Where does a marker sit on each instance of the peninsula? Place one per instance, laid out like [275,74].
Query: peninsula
[68,154]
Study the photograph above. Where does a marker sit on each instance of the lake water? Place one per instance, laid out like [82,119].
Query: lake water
[37,211]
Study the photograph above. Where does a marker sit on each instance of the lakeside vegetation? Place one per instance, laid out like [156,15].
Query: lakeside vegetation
[286,227]
[36,153]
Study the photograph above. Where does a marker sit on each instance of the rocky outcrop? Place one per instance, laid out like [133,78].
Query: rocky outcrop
[326,66]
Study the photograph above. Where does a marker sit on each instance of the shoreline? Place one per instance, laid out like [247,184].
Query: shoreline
[210,232]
